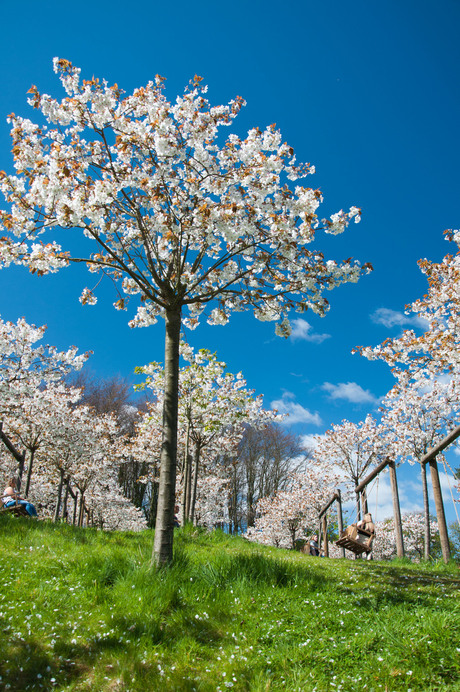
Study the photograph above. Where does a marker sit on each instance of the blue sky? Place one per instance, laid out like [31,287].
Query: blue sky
[367,92]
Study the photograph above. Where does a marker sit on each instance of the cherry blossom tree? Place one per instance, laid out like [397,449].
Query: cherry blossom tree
[351,449]
[26,367]
[292,514]
[29,383]
[436,350]
[32,422]
[170,214]
[413,525]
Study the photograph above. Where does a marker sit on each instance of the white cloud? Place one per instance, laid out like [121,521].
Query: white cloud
[350,391]
[310,441]
[393,318]
[301,331]
[295,412]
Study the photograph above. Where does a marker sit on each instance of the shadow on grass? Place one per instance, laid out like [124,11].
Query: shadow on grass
[254,569]
[26,664]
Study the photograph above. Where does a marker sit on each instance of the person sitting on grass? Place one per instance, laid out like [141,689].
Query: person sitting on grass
[11,497]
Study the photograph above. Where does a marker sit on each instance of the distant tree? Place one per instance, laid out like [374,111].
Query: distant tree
[266,458]
[351,447]
[413,526]
[292,513]
[170,214]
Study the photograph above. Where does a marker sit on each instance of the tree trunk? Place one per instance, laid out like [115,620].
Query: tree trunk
[426,510]
[21,462]
[66,497]
[164,525]
[75,501]
[196,466]
[358,504]
[441,517]
[58,502]
[185,504]
[29,471]
[82,510]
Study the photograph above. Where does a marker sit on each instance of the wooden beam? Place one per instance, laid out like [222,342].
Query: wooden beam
[448,439]
[372,475]
[326,507]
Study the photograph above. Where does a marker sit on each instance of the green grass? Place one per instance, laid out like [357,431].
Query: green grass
[82,610]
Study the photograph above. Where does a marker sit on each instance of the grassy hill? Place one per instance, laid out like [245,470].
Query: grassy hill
[82,610]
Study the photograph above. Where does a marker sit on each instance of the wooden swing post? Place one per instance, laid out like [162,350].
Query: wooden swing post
[340,517]
[337,497]
[430,458]
[396,510]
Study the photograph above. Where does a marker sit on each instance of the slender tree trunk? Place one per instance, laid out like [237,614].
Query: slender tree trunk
[189,487]
[82,508]
[196,466]
[164,526]
[21,462]
[58,502]
[75,504]
[440,515]
[426,511]
[66,496]
[185,504]
[29,471]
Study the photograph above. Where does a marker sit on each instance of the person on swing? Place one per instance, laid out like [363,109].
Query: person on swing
[11,496]
[367,524]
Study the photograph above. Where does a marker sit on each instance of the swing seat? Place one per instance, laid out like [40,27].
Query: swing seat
[356,540]
[18,510]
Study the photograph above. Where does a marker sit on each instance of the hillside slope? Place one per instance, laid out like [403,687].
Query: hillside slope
[82,610]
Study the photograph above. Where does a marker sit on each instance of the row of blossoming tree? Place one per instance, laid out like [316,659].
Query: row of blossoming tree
[64,442]
[415,416]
